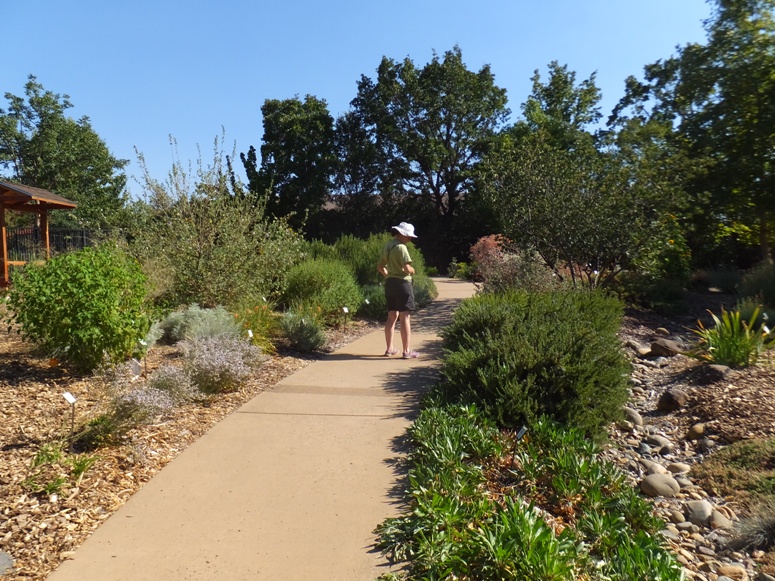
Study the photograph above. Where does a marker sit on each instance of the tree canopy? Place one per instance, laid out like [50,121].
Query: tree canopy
[41,146]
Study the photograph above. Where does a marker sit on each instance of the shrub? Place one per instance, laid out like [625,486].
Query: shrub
[328,284]
[425,291]
[760,283]
[140,406]
[757,531]
[207,241]
[732,340]
[523,355]
[500,267]
[85,307]
[303,330]
[260,323]
[194,321]
[220,363]
[374,305]
[174,382]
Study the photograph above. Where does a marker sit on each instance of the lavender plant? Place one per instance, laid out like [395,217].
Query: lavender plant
[173,381]
[220,363]
[140,406]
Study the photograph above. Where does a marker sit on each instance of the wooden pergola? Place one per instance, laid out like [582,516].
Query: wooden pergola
[19,198]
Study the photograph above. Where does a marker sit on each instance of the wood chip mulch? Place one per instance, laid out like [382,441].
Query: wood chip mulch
[41,529]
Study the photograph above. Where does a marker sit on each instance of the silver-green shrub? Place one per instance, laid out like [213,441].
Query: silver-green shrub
[143,405]
[173,381]
[220,363]
[303,331]
[195,321]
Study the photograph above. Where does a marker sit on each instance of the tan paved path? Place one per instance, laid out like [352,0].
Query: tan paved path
[289,487]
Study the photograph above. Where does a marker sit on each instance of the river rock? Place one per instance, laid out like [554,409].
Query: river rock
[678,468]
[733,571]
[699,512]
[718,520]
[6,563]
[666,348]
[660,442]
[661,331]
[708,374]
[695,432]
[660,485]
[633,416]
[672,400]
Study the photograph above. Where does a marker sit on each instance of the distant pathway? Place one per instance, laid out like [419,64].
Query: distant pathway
[289,487]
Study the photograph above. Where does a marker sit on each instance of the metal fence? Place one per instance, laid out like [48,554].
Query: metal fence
[27,243]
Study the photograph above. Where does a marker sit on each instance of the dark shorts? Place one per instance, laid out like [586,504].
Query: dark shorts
[399,295]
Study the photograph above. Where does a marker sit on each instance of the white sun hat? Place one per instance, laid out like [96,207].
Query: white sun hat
[405,229]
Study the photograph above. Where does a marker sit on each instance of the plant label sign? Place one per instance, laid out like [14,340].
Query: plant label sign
[69,397]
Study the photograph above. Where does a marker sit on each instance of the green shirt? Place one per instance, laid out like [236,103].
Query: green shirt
[395,256]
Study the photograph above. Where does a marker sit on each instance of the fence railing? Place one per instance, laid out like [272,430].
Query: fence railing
[27,243]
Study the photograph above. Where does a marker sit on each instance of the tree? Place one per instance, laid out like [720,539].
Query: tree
[561,109]
[297,159]
[432,126]
[719,97]
[201,240]
[588,206]
[40,146]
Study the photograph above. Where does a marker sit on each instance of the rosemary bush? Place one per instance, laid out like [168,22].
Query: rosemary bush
[328,284]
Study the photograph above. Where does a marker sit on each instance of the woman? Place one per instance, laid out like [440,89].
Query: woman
[395,265]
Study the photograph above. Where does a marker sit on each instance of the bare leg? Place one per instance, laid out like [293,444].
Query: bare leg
[406,330]
[390,327]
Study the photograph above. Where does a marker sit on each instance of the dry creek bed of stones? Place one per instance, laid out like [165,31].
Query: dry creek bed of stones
[681,411]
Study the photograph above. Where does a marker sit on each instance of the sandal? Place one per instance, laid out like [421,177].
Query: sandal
[410,355]
[390,352]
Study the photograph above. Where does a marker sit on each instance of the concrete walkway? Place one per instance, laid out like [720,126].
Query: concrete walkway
[291,486]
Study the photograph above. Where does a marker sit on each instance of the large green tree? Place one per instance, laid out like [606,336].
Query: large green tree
[432,126]
[719,97]
[297,160]
[589,207]
[41,146]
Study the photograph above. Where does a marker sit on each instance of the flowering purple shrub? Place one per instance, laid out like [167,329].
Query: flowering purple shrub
[140,406]
[173,381]
[220,363]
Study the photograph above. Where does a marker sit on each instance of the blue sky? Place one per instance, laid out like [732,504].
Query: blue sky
[149,69]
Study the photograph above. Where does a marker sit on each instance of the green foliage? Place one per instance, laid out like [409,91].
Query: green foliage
[425,290]
[194,321]
[42,147]
[303,330]
[220,363]
[205,240]
[297,159]
[374,305]
[760,283]
[732,340]
[362,256]
[461,270]
[261,324]
[328,284]
[744,466]
[51,469]
[85,307]
[454,529]
[421,131]
[522,355]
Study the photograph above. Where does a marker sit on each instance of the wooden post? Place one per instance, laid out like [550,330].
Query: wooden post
[44,231]
[3,247]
